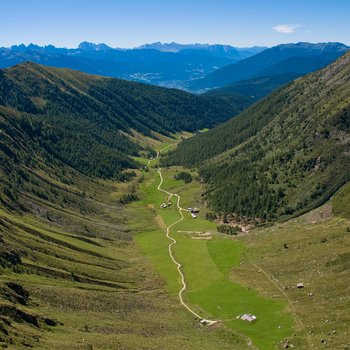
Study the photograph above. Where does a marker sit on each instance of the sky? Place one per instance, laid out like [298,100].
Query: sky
[129,23]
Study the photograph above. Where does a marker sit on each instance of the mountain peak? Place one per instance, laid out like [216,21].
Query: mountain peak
[326,46]
[89,46]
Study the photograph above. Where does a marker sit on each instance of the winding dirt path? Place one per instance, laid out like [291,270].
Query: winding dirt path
[178,265]
[173,242]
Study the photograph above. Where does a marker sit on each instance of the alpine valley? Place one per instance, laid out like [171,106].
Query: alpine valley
[136,215]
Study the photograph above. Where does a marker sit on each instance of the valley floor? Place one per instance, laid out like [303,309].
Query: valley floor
[254,273]
[207,259]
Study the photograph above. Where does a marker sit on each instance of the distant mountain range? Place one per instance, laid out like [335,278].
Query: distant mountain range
[150,64]
[300,59]
[214,50]
[254,71]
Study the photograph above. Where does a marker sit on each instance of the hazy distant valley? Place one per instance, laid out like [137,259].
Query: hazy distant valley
[169,65]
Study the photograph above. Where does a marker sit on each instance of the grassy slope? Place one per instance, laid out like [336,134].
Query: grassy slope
[83,271]
[317,254]
[102,303]
[341,202]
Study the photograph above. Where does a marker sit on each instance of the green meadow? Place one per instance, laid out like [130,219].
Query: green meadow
[207,264]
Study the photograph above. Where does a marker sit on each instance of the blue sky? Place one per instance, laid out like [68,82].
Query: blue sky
[130,23]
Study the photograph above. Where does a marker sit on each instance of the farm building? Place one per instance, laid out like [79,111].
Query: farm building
[193,215]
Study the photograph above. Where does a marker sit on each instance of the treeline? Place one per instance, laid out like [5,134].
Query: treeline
[229,230]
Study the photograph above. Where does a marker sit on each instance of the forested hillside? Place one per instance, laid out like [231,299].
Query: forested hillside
[285,154]
[82,120]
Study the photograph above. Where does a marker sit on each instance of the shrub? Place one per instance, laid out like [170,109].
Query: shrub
[211,216]
[184,176]
[128,198]
[229,230]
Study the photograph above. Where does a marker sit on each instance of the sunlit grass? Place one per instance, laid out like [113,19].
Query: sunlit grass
[207,265]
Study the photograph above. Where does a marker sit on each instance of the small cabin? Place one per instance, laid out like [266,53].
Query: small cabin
[248,317]
[163,205]
[300,285]
[193,215]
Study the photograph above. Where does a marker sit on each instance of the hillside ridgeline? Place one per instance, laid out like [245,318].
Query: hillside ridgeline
[300,58]
[284,155]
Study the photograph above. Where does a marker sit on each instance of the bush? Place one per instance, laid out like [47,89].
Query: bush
[211,216]
[229,230]
[128,198]
[184,176]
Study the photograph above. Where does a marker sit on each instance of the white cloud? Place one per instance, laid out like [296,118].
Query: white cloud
[286,28]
